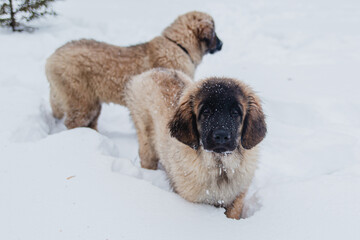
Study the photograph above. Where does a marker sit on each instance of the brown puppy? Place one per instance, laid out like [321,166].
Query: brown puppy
[83,74]
[205,134]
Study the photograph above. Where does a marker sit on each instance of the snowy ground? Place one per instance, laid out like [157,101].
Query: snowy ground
[303,59]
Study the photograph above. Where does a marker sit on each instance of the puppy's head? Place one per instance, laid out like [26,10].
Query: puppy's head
[219,114]
[203,27]
[195,30]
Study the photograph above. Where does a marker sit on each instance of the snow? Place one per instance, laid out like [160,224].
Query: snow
[302,58]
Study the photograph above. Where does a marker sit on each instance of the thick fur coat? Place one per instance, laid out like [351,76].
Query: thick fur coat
[84,73]
[173,118]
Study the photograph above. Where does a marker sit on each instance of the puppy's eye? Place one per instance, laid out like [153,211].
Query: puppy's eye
[234,112]
[207,41]
[207,38]
[206,112]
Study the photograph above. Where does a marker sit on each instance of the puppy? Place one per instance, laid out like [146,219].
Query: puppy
[204,133]
[83,74]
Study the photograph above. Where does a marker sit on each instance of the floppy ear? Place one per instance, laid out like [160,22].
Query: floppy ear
[183,125]
[205,30]
[254,126]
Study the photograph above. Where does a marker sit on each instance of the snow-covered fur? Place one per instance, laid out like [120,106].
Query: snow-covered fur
[165,106]
[84,73]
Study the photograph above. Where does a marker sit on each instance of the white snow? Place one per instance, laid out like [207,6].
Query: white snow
[301,57]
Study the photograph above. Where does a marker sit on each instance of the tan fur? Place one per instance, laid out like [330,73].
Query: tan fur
[197,175]
[235,209]
[85,73]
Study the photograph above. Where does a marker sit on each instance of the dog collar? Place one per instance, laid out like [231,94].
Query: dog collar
[180,46]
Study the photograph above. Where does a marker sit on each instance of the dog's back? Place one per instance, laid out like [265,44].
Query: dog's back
[159,88]
[152,98]
[96,68]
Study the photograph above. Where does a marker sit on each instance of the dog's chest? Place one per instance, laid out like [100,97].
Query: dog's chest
[202,178]
[223,183]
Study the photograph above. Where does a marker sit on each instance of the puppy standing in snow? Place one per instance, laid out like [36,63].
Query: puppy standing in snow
[83,74]
[205,134]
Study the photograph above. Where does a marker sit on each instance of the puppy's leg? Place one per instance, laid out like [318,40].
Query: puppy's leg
[82,114]
[93,123]
[147,153]
[235,209]
[55,102]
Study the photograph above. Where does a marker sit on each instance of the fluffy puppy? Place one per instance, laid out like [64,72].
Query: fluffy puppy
[204,133]
[83,74]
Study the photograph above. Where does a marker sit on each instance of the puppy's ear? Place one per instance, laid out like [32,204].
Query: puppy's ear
[254,126]
[205,30]
[183,125]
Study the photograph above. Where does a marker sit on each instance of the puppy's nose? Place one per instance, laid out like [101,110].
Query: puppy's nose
[221,136]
